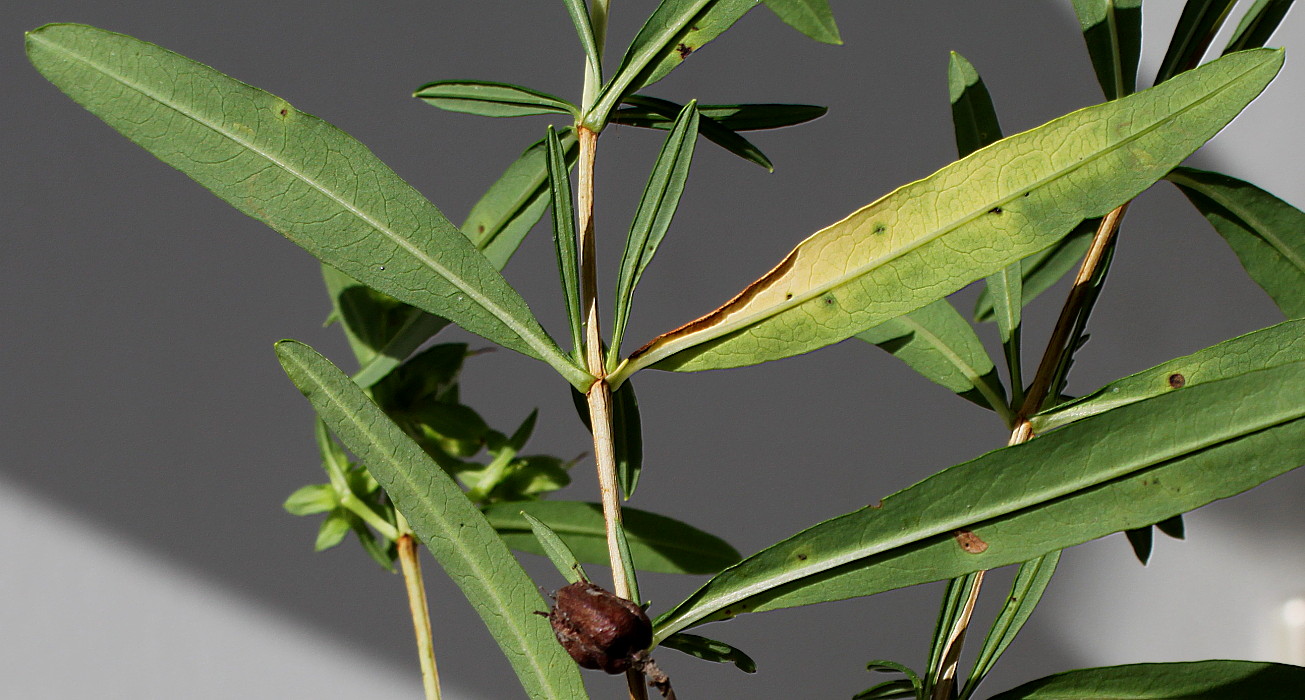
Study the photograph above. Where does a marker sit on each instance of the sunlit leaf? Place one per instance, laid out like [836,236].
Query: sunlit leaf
[1133,466]
[968,220]
[1025,592]
[584,28]
[490,99]
[1042,270]
[710,650]
[454,531]
[811,17]
[1207,680]
[1266,233]
[564,237]
[556,550]
[305,178]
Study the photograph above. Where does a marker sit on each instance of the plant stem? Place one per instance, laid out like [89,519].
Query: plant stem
[1064,338]
[412,580]
[600,394]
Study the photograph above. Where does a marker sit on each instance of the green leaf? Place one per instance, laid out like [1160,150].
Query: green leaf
[311,499]
[1196,28]
[936,342]
[950,615]
[305,178]
[1025,592]
[1257,25]
[675,30]
[1113,32]
[742,117]
[1132,466]
[515,202]
[1208,680]
[490,99]
[811,17]
[564,238]
[974,120]
[556,550]
[1276,345]
[585,29]
[1042,270]
[909,687]
[456,533]
[661,197]
[968,220]
[332,531]
[710,650]
[627,434]
[654,112]
[1266,233]
[658,543]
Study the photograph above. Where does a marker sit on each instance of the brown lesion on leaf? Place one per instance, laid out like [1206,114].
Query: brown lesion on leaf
[1177,381]
[684,50]
[970,542]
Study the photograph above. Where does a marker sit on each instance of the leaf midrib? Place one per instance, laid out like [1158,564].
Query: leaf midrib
[530,338]
[743,322]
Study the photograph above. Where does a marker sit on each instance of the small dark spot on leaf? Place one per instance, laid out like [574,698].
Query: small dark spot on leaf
[970,542]
[829,301]
[480,228]
[1026,194]
[801,556]
[788,296]
[684,51]
[995,210]
[1177,380]
[880,228]
[382,268]
[284,112]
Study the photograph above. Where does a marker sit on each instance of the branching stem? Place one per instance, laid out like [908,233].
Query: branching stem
[412,580]
[1063,340]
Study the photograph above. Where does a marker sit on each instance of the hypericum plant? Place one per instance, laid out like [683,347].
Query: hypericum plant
[1019,213]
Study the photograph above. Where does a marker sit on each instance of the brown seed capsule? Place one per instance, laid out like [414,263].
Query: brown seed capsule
[599,629]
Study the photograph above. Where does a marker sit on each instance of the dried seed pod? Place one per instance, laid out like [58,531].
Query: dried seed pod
[599,629]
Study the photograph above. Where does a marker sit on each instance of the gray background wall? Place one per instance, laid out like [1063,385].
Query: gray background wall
[149,435]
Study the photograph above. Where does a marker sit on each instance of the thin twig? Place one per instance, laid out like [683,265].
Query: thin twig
[1062,341]
[412,580]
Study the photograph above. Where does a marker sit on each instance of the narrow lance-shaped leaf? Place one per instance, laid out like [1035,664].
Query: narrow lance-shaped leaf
[675,30]
[1257,25]
[585,29]
[305,178]
[1133,466]
[1196,28]
[968,220]
[1025,592]
[454,531]
[974,120]
[657,543]
[811,17]
[556,550]
[564,238]
[1276,345]
[661,197]
[710,650]
[655,112]
[1266,233]
[490,99]
[627,434]
[938,343]
[740,117]
[1208,680]
[497,224]
[1113,32]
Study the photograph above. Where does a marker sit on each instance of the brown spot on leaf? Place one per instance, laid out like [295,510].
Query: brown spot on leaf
[284,111]
[801,556]
[1177,380]
[995,210]
[970,542]
[684,51]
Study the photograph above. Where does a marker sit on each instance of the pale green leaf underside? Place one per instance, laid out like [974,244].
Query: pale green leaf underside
[968,220]
[939,344]
[1276,345]
[1133,466]
[1188,680]
[454,531]
[305,178]
[1266,233]
[490,99]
